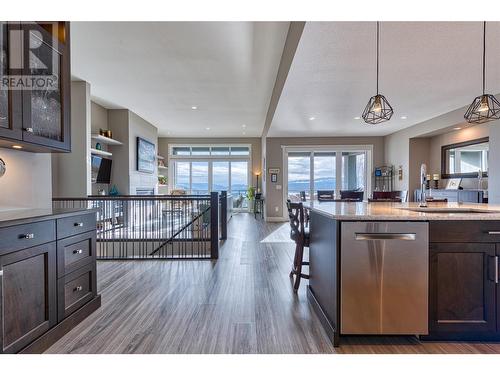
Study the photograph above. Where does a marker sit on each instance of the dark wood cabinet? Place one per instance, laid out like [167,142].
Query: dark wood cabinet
[47,279]
[464,294]
[10,100]
[462,289]
[28,295]
[38,119]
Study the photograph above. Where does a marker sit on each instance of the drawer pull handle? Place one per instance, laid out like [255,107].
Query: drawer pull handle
[78,224]
[385,236]
[79,288]
[79,251]
[29,130]
[494,232]
[28,236]
[496,270]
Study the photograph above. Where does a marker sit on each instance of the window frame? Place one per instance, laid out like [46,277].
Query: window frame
[172,159]
[337,149]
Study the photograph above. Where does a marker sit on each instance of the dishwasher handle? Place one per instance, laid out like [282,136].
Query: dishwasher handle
[385,236]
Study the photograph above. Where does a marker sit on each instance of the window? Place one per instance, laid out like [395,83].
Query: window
[324,168]
[220,176]
[324,171]
[353,171]
[299,174]
[201,169]
[210,151]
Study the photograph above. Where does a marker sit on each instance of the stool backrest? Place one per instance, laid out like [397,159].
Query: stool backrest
[352,195]
[326,195]
[296,218]
[303,196]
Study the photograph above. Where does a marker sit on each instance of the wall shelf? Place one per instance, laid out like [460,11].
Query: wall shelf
[106,140]
[100,152]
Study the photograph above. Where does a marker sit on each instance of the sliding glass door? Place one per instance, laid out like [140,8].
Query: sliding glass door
[322,168]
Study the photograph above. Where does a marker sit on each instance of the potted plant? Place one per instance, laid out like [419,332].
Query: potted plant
[250,197]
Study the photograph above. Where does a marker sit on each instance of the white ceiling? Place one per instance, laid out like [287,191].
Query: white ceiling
[427,69]
[159,70]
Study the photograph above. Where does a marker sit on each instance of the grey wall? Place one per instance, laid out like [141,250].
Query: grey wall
[494,162]
[274,159]
[71,171]
[27,182]
[138,127]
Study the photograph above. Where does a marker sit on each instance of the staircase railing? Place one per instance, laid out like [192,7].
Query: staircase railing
[155,227]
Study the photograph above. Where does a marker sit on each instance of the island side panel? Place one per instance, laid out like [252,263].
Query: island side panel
[324,271]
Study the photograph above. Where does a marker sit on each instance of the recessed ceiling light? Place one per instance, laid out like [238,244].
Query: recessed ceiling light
[404,117]
[457,128]
[207,128]
[194,107]
[357,118]
[312,118]
[17,147]
[243,126]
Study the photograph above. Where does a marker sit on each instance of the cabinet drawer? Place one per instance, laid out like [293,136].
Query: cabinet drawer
[75,290]
[75,252]
[26,235]
[464,231]
[73,225]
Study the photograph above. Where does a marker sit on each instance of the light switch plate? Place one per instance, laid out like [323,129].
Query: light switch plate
[278,187]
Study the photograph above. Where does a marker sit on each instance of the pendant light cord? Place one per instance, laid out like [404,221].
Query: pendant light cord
[378,38]
[484,54]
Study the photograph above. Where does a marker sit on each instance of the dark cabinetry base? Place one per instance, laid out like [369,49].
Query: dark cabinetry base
[49,338]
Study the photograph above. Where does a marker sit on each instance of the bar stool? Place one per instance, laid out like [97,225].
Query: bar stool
[300,236]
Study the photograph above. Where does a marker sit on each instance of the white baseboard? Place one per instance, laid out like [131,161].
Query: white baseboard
[276,219]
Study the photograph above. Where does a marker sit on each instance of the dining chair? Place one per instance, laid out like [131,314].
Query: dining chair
[326,195]
[352,195]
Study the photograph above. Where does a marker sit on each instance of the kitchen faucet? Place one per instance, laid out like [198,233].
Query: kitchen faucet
[423,183]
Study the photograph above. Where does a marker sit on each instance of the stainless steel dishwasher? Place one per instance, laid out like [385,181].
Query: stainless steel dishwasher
[384,278]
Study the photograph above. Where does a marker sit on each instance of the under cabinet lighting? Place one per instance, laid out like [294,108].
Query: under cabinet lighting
[17,147]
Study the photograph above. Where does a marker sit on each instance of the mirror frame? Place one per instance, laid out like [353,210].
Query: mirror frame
[445,148]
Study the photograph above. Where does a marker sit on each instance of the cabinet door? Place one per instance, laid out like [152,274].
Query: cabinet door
[46,116]
[462,290]
[29,301]
[10,100]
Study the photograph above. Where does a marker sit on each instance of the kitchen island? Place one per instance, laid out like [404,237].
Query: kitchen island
[392,268]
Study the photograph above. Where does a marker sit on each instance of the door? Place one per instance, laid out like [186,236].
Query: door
[462,289]
[10,100]
[46,116]
[29,305]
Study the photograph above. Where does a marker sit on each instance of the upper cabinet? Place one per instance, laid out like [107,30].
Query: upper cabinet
[37,116]
[10,100]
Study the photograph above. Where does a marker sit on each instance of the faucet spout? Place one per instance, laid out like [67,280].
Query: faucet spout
[423,183]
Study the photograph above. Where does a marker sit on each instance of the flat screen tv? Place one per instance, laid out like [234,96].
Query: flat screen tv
[101,170]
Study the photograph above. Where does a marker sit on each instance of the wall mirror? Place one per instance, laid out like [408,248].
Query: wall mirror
[465,159]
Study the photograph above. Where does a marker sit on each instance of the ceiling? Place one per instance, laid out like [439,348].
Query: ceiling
[426,69]
[160,70]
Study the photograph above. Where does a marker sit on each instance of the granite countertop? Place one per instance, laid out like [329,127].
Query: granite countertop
[11,216]
[398,211]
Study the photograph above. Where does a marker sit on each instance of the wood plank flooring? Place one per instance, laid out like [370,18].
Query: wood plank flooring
[242,303]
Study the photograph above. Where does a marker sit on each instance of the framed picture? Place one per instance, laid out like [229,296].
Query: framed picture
[146,156]
[453,183]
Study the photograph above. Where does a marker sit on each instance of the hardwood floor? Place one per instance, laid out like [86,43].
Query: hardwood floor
[243,303]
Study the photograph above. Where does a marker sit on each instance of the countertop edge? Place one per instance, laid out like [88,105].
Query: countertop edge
[43,217]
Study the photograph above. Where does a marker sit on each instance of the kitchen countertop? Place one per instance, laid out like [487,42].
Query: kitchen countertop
[396,211]
[9,217]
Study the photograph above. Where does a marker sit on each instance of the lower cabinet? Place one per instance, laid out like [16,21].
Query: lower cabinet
[42,284]
[463,295]
[28,297]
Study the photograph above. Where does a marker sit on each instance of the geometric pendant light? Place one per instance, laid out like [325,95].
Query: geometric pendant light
[378,108]
[486,107]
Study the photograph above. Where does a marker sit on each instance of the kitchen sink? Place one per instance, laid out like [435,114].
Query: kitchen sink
[451,210]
